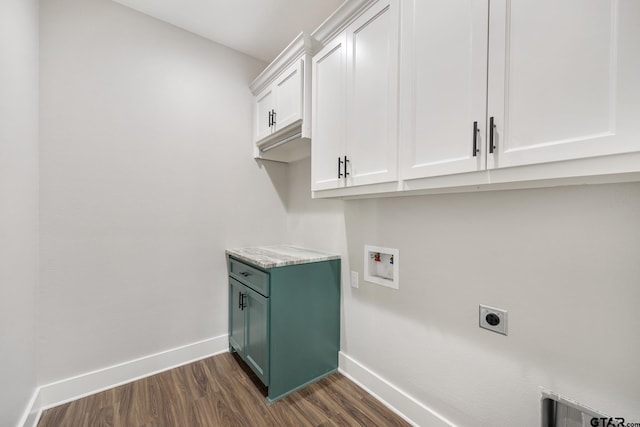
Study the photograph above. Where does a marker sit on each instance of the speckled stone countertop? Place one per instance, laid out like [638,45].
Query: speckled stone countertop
[279,255]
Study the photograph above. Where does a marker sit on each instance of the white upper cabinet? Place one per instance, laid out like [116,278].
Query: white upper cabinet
[563,79]
[288,106]
[328,110]
[372,95]
[444,80]
[355,102]
[440,95]
[545,81]
[263,110]
[282,104]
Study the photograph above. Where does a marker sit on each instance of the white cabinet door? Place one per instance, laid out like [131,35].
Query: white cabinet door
[265,103]
[328,115]
[563,79]
[443,83]
[372,95]
[288,89]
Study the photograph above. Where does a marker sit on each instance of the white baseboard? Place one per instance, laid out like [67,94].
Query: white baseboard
[59,392]
[414,412]
[31,414]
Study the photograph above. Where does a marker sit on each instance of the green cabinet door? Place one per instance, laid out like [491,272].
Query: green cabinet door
[236,316]
[256,350]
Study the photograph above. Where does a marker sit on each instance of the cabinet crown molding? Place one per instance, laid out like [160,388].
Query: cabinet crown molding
[340,19]
[302,44]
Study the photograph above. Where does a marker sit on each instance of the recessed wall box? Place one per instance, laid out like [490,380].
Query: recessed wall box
[381,266]
[559,411]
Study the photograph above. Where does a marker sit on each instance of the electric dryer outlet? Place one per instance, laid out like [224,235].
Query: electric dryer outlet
[493,319]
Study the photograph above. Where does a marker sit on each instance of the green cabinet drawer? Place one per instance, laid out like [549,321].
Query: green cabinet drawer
[256,279]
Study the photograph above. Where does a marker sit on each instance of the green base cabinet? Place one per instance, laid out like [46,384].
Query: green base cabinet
[284,322]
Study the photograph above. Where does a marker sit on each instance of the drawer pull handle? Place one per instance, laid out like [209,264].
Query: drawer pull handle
[245,273]
[243,305]
[240,300]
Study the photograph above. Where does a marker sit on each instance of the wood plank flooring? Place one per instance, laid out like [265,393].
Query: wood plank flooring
[220,391]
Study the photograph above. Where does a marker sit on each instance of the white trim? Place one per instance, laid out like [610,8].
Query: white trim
[66,390]
[32,412]
[301,45]
[349,11]
[60,392]
[610,169]
[33,419]
[406,406]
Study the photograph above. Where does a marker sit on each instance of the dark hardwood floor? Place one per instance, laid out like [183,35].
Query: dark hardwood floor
[219,391]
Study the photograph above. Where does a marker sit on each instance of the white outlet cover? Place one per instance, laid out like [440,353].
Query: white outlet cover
[501,327]
[354,279]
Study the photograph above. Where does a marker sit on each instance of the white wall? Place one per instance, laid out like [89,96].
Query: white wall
[147,176]
[313,223]
[18,204]
[562,261]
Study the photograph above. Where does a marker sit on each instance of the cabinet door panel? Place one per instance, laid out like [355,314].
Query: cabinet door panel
[257,349]
[289,96]
[443,85]
[559,76]
[328,123]
[372,95]
[236,316]
[264,104]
